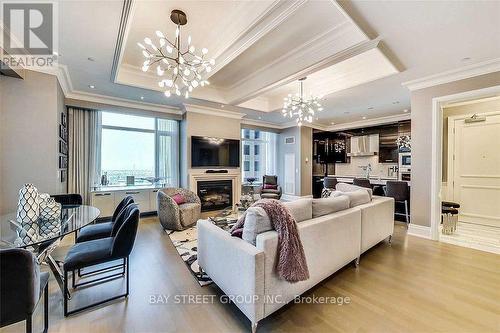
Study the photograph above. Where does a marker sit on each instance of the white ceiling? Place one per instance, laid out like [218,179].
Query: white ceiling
[296,37]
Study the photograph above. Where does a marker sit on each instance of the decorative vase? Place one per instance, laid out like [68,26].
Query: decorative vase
[49,208]
[28,207]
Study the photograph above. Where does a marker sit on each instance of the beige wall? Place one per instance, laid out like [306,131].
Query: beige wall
[29,120]
[421,130]
[197,124]
[489,105]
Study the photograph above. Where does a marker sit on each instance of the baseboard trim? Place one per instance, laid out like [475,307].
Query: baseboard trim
[419,231]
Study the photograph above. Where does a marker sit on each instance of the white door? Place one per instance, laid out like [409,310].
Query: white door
[476,170]
[289,173]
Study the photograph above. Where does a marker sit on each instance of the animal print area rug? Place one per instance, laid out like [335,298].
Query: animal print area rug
[186,243]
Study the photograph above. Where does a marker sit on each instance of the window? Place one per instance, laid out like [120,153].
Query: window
[259,153]
[143,147]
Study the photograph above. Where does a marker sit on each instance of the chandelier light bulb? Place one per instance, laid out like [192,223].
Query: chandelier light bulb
[141,46]
[167,93]
[148,41]
[160,34]
[189,40]
[204,50]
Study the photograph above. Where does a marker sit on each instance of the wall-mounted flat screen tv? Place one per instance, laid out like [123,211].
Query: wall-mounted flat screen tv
[208,152]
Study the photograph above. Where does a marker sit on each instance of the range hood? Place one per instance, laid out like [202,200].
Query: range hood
[366,145]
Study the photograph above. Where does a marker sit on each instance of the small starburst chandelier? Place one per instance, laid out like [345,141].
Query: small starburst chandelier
[297,106]
[183,70]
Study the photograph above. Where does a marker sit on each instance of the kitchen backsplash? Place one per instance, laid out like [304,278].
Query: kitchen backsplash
[354,168]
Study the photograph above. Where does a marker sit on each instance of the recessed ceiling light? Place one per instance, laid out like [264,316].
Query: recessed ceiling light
[90,59]
[370,108]
[142,97]
[260,117]
[332,123]
[91,86]
[405,110]
[395,102]
[364,117]
[465,59]
[222,105]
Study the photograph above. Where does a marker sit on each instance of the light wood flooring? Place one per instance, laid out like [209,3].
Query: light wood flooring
[415,285]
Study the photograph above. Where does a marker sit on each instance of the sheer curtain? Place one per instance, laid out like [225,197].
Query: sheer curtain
[84,163]
[168,151]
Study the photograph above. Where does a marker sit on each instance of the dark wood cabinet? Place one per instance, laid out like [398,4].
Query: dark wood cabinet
[388,148]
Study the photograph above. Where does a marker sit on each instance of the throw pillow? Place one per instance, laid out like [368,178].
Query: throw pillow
[178,198]
[326,192]
[256,222]
[344,187]
[270,187]
[325,206]
[356,198]
[300,209]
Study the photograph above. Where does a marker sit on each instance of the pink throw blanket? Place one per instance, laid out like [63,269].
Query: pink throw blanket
[291,265]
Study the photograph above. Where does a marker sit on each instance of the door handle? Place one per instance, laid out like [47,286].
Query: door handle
[132,192]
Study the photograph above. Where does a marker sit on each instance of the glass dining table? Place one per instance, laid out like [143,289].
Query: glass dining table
[42,236]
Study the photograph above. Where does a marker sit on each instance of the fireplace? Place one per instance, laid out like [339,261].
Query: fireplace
[215,194]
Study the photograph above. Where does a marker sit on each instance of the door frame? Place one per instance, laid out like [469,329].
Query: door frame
[437,147]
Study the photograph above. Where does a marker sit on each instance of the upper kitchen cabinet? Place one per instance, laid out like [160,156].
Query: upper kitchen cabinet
[330,147]
[388,147]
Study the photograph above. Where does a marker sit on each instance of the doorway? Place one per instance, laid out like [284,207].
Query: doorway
[471,172]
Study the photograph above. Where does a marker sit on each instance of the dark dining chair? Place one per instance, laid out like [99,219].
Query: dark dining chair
[363,182]
[21,287]
[100,251]
[104,229]
[400,191]
[71,199]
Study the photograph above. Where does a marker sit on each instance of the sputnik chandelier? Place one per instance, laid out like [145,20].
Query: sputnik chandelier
[302,109]
[183,70]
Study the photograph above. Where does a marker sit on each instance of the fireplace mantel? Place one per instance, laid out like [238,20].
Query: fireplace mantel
[235,178]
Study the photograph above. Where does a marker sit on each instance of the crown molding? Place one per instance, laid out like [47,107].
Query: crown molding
[480,68]
[261,123]
[278,12]
[123,102]
[207,110]
[370,122]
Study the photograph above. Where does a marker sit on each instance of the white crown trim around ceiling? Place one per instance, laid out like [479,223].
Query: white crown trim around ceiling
[62,74]
[261,123]
[207,110]
[268,21]
[480,68]
[370,122]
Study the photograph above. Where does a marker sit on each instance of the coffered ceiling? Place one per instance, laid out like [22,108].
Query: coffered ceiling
[356,54]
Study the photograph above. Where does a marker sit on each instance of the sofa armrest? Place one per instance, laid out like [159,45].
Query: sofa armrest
[235,265]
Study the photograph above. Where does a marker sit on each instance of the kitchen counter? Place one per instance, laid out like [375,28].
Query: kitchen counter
[374,180]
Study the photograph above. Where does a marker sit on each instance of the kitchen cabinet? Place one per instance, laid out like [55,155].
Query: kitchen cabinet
[107,200]
[388,148]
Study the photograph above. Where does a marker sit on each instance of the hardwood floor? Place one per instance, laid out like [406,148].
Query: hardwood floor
[415,285]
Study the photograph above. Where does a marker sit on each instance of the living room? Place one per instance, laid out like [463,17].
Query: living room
[249,166]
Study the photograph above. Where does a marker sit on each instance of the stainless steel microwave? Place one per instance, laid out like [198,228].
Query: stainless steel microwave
[405,160]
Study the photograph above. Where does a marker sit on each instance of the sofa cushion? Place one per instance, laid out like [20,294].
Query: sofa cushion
[256,222]
[356,198]
[344,187]
[300,209]
[329,205]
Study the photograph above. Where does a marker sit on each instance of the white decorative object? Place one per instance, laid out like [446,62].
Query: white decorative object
[404,141]
[184,70]
[28,208]
[49,208]
[299,107]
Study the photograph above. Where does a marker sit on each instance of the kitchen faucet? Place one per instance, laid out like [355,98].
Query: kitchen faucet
[367,169]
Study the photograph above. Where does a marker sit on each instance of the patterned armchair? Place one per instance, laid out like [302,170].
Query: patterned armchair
[178,217]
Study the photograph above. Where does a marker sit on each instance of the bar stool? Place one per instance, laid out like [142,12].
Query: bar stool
[363,182]
[329,184]
[449,216]
[400,191]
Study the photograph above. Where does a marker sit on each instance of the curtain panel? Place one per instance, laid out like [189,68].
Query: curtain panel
[84,165]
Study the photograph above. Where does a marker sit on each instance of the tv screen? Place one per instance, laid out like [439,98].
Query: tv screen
[214,152]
